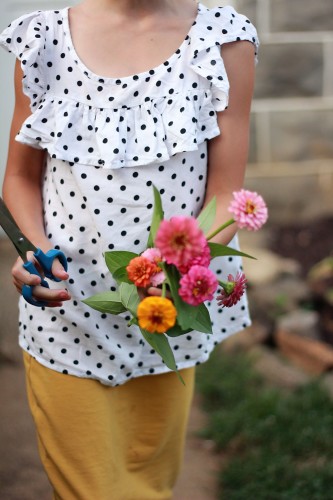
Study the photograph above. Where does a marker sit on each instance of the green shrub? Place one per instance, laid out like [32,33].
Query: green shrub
[279,446]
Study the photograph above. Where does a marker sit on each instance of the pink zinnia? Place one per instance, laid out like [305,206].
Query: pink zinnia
[157,279]
[202,260]
[249,210]
[180,240]
[232,290]
[198,285]
[154,256]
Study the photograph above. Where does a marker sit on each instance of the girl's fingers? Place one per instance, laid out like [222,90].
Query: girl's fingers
[58,270]
[22,277]
[52,297]
[142,293]
[157,292]
[152,290]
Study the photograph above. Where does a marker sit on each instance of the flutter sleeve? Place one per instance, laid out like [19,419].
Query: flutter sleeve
[215,28]
[25,38]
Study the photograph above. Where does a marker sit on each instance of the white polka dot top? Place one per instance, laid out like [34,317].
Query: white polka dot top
[107,141]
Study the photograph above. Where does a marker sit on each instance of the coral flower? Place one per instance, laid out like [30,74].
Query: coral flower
[232,290]
[180,240]
[156,314]
[140,270]
[198,285]
[249,210]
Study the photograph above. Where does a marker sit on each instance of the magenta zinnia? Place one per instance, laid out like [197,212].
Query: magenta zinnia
[180,240]
[232,290]
[198,285]
[202,260]
[249,209]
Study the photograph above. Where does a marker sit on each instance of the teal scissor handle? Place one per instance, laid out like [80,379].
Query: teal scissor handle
[46,261]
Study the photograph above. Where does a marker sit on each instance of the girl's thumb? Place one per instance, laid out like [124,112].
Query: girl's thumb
[58,270]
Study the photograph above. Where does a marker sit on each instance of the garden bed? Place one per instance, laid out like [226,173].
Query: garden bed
[306,243]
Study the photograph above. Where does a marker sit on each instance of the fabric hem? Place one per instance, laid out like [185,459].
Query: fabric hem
[158,369]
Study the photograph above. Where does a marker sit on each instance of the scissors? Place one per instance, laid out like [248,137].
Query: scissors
[23,245]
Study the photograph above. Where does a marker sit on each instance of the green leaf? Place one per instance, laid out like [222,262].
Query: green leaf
[106,302]
[177,331]
[160,343]
[184,311]
[129,297]
[120,275]
[156,218]
[207,216]
[217,250]
[202,321]
[187,315]
[118,258]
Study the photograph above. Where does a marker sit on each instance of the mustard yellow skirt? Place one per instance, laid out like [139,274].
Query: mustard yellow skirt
[109,443]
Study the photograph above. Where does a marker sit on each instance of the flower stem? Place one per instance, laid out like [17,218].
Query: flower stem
[164,289]
[220,228]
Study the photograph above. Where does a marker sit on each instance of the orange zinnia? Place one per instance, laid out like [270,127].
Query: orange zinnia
[140,270]
[156,314]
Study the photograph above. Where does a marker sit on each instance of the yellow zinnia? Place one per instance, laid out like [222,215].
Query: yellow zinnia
[156,314]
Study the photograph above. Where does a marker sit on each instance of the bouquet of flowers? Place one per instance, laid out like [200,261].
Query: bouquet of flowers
[177,261]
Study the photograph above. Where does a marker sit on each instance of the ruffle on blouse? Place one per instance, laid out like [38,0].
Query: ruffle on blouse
[25,37]
[146,131]
[115,138]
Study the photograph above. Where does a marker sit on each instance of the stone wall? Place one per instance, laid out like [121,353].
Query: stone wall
[291,153]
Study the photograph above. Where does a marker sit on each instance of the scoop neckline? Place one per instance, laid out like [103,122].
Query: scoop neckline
[118,80]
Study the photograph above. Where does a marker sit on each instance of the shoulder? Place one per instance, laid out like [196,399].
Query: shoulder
[28,38]
[215,50]
[28,31]
[222,25]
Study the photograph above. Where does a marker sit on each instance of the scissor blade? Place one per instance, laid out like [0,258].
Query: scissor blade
[5,211]
[21,243]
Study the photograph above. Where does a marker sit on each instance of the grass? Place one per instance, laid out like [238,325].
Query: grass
[279,446]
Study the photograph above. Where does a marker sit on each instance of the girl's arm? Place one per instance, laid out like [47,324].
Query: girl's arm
[22,195]
[227,153]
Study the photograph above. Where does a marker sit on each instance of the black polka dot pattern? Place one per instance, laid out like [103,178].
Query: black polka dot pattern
[156,123]
[172,106]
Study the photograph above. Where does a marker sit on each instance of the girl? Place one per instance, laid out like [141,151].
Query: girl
[118,94]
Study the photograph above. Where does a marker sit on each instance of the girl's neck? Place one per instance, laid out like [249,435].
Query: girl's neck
[125,37]
[139,7]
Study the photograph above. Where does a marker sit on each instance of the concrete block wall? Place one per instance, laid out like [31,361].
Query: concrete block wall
[291,151]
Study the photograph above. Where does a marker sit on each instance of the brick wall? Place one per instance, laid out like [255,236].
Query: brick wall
[291,152]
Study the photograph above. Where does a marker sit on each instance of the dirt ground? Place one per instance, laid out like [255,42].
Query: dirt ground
[21,475]
[306,243]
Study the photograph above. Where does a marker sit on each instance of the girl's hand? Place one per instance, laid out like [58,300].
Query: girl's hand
[152,291]
[52,297]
